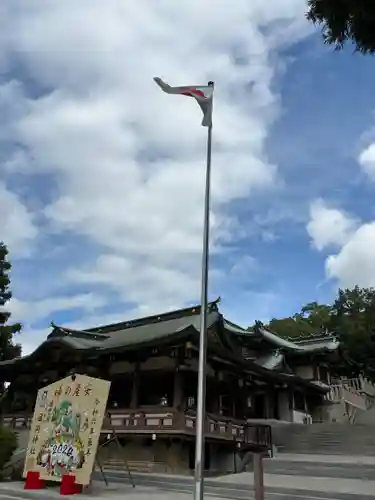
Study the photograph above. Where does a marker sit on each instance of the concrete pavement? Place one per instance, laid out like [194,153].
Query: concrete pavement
[295,485]
[242,484]
[15,491]
[219,489]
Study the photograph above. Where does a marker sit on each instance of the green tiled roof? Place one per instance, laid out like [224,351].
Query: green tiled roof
[272,361]
[311,345]
[318,344]
[130,336]
[127,335]
[149,333]
[168,327]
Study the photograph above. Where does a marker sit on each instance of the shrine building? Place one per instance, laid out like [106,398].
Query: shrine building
[254,378]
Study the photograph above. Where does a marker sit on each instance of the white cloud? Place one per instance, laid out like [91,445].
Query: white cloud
[17,227]
[31,312]
[126,160]
[144,281]
[329,226]
[367,161]
[31,339]
[355,263]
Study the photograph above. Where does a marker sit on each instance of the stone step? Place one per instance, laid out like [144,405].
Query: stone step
[337,439]
[318,469]
[333,451]
[332,439]
[357,444]
[316,443]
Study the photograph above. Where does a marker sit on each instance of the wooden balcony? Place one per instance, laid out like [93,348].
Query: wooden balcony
[169,422]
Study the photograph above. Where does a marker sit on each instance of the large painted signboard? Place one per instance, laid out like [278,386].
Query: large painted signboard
[65,429]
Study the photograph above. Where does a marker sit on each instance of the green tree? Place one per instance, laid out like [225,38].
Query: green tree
[317,316]
[8,349]
[351,318]
[345,20]
[292,327]
[353,321]
[311,320]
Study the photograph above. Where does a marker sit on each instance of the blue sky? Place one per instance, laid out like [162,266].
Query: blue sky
[101,180]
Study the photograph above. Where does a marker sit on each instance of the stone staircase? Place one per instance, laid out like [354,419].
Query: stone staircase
[326,438]
[366,417]
[22,438]
[14,467]
[318,466]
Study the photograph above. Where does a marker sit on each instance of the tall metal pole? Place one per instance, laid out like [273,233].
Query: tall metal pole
[201,406]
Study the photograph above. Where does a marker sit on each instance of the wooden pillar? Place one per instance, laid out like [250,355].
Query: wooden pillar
[291,404]
[134,403]
[178,390]
[104,368]
[316,372]
[240,403]
[258,477]
[276,403]
[266,404]
[306,408]
[237,402]
[214,393]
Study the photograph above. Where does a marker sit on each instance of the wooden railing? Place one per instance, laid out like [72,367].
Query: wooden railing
[258,437]
[360,384]
[164,420]
[168,420]
[18,421]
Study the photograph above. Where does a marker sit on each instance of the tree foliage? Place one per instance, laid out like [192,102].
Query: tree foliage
[8,445]
[311,320]
[351,318]
[345,20]
[8,349]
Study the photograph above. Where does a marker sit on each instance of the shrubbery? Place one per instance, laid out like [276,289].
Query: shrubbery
[8,445]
